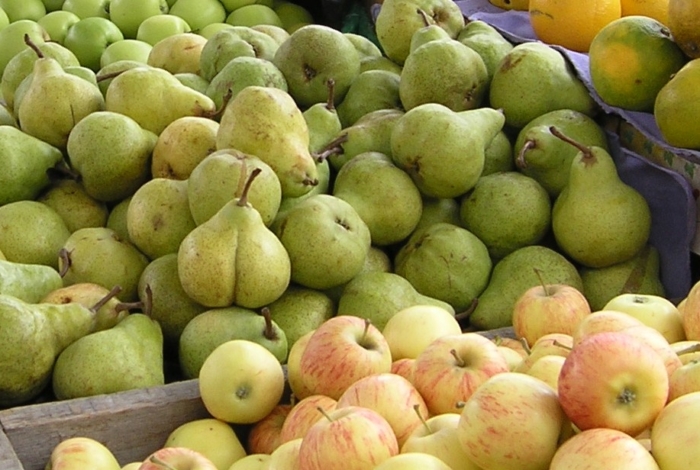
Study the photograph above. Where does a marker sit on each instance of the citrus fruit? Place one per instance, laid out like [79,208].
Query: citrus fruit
[657,9]
[571,23]
[677,107]
[621,55]
[684,23]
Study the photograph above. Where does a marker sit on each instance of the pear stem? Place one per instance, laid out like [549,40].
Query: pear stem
[520,161]
[330,104]
[242,178]
[107,76]
[586,151]
[218,112]
[28,41]
[332,148]
[64,256]
[243,199]
[416,408]
[538,272]
[467,313]
[460,361]
[323,412]
[103,301]
[269,331]
[424,15]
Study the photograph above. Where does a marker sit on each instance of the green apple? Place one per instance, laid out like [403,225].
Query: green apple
[199,13]
[23,10]
[213,438]
[291,13]
[231,5]
[4,19]
[87,8]
[52,5]
[213,28]
[241,382]
[57,23]
[12,39]
[251,15]
[129,14]
[127,49]
[159,27]
[88,39]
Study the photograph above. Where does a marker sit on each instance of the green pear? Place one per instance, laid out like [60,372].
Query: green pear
[98,255]
[235,41]
[214,182]
[300,310]
[507,211]
[429,32]
[323,168]
[445,72]
[322,120]
[597,219]
[33,335]
[182,146]
[638,275]
[55,101]
[311,56]
[445,262]
[159,217]
[106,74]
[438,210]
[111,152]
[284,142]
[25,161]
[430,142]
[533,79]
[498,155]
[178,53]
[370,91]
[234,258]
[364,46]
[171,307]
[377,259]
[6,117]
[31,232]
[378,295]
[193,81]
[241,72]
[214,327]
[126,357]
[117,219]
[76,207]
[546,158]
[26,281]
[487,41]
[154,98]
[326,239]
[12,37]
[383,195]
[275,32]
[512,276]
[379,63]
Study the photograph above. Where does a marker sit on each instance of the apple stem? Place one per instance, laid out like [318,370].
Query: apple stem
[526,346]
[323,412]
[243,198]
[690,349]
[586,151]
[161,463]
[269,331]
[520,161]
[562,345]
[110,295]
[460,361]
[416,408]
[538,272]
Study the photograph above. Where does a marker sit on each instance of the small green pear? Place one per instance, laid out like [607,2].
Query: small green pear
[76,207]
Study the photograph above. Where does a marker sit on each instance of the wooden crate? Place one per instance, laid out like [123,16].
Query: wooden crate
[131,424]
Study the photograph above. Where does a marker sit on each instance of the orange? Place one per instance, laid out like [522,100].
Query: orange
[572,23]
[657,9]
[631,59]
[684,23]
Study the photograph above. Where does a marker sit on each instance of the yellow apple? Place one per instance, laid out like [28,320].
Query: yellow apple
[413,461]
[286,456]
[211,437]
[547,369]
[294,377]
[176,458]
[132,466]
[675,440]
[687,350]
[513,358]
[557,344]
[652,310]
[82,452]
[412,329]
[686,379]
[252,462]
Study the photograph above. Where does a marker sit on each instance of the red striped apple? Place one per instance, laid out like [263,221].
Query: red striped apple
[675,441]
[603,320]
[547,369]
[657,341]
[557,344]
[266,435]
[404,367]
[413,461]
[305,414]
[76,453]
[176,458]
[294,376]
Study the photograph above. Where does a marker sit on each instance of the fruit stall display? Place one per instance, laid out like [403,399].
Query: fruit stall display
[233,237]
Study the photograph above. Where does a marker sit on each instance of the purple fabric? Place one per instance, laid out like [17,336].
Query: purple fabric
[668,193]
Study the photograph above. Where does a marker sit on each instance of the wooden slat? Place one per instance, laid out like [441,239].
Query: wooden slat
[131,424]
[8,458]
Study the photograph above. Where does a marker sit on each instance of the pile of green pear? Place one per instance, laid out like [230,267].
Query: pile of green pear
[253,184]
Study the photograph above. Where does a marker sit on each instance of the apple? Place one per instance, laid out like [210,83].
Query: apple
[129,14]
[286,456]
[404,367]
[4,19]
[547,369]
[390,395]
[254,14]
[87,8]
[265,435]
[548,308]
[132,466]
[155,28]
[690,312]
[412,329]
[176,458]
[199,13]
[341,351]
[685,380]
[512,357]
[348,438]
[657,341]
[128,49]
[213,438]
[437,436]
[23,10]
[89,38]
[520,415]
[687,350]
[305,414]
[294,375]
[241,382]
[452,367]
[413,461]
[82,452]
[252,462]
[558,344]
[613,380]
[602,448]
[12,39]
[603,320]
[52,5]
[675,442]
[56,24]
[518,345]
[652,310]
[231,5]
